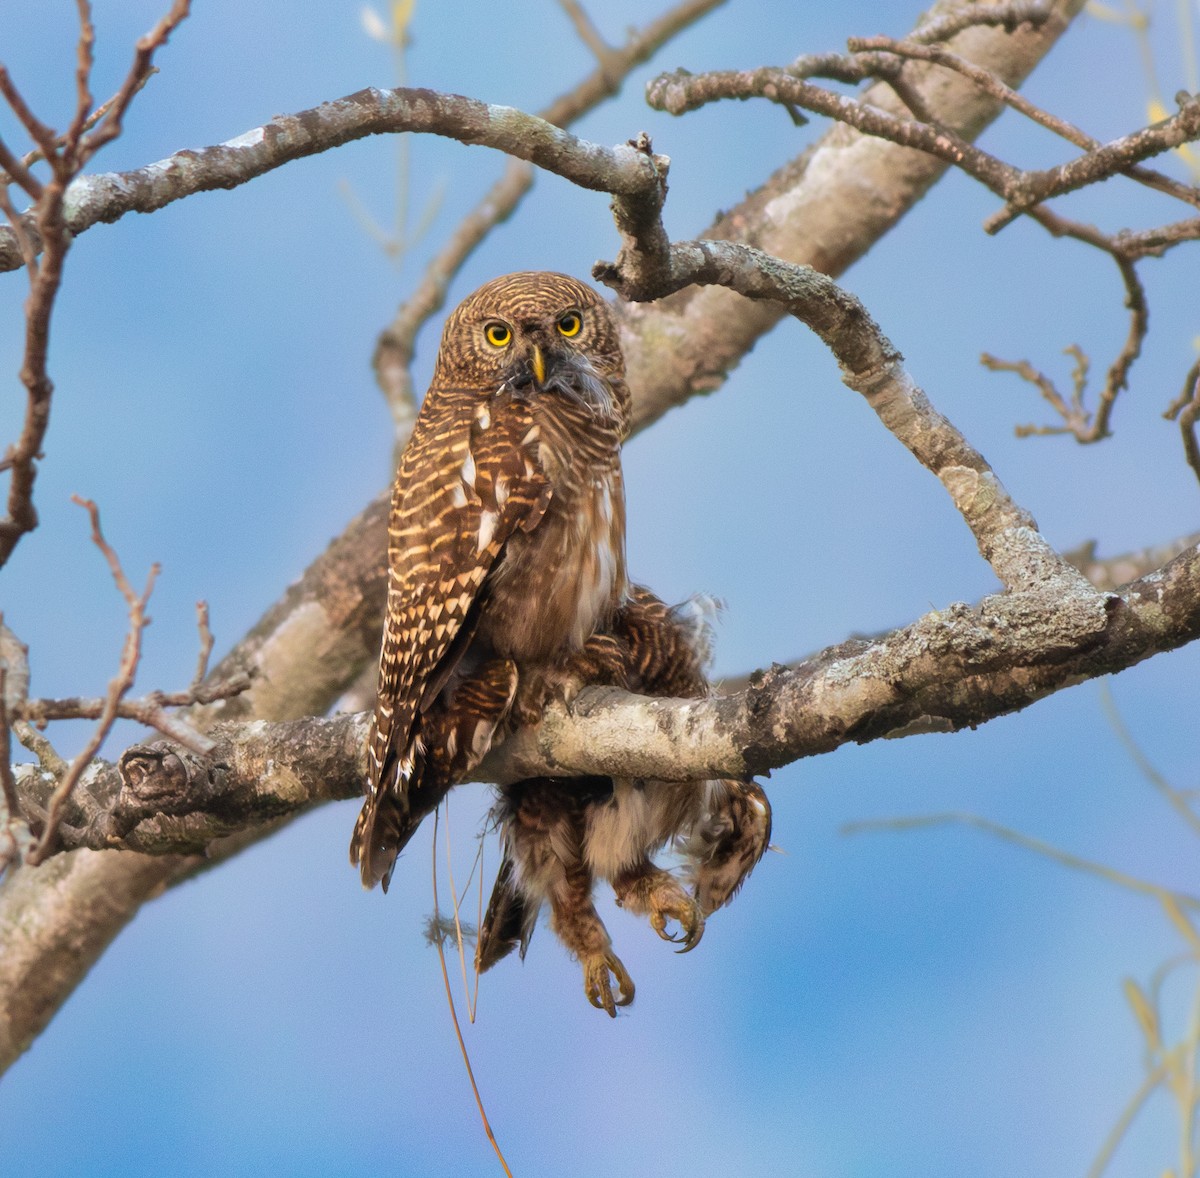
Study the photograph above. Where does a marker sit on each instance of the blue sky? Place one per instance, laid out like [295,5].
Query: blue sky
[928,1003]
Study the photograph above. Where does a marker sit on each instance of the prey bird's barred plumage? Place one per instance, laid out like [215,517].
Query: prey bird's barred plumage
[560,835]
[506,541]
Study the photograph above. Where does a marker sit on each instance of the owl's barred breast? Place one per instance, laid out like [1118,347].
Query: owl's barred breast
[506,541]
[564,580]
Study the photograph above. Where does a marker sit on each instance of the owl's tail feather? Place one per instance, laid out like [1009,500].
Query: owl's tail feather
[446,743]
[384,825]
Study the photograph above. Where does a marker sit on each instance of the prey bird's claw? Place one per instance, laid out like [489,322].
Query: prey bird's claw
[598,986]
[686,913]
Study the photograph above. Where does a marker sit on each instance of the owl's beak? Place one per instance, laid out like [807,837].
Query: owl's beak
[538,362]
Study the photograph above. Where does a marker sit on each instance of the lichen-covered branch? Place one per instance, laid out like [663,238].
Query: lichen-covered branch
[110,196]
[950,669]
[162,798]
[1006,534]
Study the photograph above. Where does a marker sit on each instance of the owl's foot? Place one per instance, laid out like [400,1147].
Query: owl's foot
[601,662]
[658,895]
[597,986]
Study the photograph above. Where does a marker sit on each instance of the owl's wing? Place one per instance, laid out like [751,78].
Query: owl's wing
[468,480]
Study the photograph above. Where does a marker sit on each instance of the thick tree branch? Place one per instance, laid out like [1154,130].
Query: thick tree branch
[110,196]
[1006,534]
[950,669]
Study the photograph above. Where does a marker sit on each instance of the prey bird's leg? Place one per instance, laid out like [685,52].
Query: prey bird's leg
[650,891]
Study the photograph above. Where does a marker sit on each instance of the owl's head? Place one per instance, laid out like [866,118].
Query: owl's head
[535,334]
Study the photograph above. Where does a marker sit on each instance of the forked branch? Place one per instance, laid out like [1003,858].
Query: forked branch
[46,230]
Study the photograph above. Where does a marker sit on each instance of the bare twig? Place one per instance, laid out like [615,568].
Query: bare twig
[23,233]
[681,92]
[36,155]
[1038,846]
[117,689]
[588,33]
[139,72]
[1112,572]
[1084,425]
[1186,409]
[394,351]
[14,170]
[1176,798]
[149,710]
[1155,242]
[65,157]
[1034,376]
[206,646]
[462,1046]
[869,49]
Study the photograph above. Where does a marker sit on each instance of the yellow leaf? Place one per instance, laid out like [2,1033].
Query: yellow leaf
[1180,921]
[1105,12]
[1145,1014]
[402,14]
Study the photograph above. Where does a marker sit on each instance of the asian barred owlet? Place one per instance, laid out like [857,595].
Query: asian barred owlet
[507,582]
[506,541]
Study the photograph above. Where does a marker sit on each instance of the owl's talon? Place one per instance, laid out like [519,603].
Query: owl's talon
[598,987]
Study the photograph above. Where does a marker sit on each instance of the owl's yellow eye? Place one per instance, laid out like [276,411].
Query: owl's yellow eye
[498,334]
[570,324]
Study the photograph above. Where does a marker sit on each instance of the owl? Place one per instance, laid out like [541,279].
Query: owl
[560,835]
[506,541]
